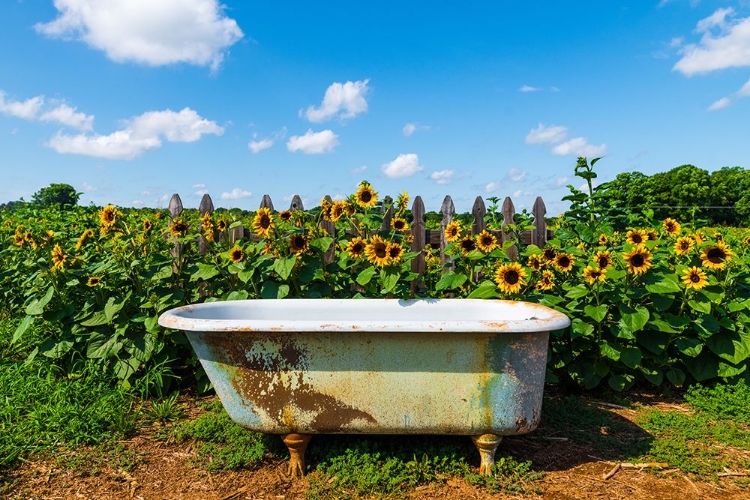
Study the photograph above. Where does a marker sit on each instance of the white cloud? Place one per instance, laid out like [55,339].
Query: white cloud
[542,134]
[528,88]
[258,146]
[404,165]
[345,100]
[745,90]
[516,174]
[27,109]
[410,128]
[199,186]
[721,103]
[358,170]
[236,194]
[492,187]
[561,181]
[579,147]
[443,176]
[68,116]
[313,143]
[729,48]
[201,192]
[87,188]
[148,32]
[140,134]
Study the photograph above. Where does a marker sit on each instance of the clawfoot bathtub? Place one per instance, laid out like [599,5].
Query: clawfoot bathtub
[298,367]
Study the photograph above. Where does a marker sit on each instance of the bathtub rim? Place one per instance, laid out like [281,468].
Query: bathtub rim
[533,317]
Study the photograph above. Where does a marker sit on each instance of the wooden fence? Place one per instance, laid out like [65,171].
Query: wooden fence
[422,237]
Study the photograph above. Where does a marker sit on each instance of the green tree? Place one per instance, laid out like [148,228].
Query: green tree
[680,193]
[729,188]
[56,194]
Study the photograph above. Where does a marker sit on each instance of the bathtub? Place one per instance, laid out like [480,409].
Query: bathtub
[298,367]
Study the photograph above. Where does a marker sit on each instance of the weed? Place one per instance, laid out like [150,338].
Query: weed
[166,410]
[508,476]
[223,445]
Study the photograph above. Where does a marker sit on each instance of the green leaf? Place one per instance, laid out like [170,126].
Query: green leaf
[450,280]
[114,305]
[706,325]
[669,284]
[577,292]
[284,266]
[634,319]
[125,368]
[738,306]
[654,341]
[580,329]
[712,293]
[731,346]
[37,305]
[162,274]
[703,367]
[620,382]
[103,347]
[96,319]
[487,290]
[204,272]
[322,244]
[56,350]
[237,295]
[27,321]
[610,350]
[689,347]
[702,305]
[728,371]
[274,290]
[366,275]
[389,279]
[631,357]
[676,376]
[656,377]
[597,313]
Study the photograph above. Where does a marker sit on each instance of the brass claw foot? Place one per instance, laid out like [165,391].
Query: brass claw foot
[296,444]
[487,445]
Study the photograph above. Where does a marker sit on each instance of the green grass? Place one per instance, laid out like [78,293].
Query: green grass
[42,411]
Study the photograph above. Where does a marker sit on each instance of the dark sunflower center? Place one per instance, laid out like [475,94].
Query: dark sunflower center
[636,238]
[357,248]
[564,262]
[298,242]
[380,250]
[637,260]
[511,277]
[716,255]
[695,278]
[366,196]
[603,262]
[265,222]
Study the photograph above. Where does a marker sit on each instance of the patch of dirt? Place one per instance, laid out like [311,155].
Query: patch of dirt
[163,470]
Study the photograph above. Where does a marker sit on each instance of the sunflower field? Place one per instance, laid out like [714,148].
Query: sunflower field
[661,302]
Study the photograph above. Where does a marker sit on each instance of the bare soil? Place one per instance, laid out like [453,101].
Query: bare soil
[164,470]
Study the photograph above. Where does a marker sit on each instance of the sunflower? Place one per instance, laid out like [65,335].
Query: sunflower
[716,256]
[221,225]
[28,236]
[510,277]
[285,215]
[263,222]
[549,254]
[546,282]
[486,241]
[85,236]
[18,239]
[535,262]
[178,227]
[402,202]
[467,245]
[746,241]
[400,224]
[684,245]
[694,278]
[338,210]
[94,281]
[58,257]
[395,251]
[564,262]
[298,243]
[453,231]
[325,208]
[638,260]
[671,226]
[356,247]
[698,237]
[147,225]
[365,196]
[593,274]
[236,254]
[603,239]
[603,259]
[652,235]
[637,236]
[206,223]
[108,216]
[377,251]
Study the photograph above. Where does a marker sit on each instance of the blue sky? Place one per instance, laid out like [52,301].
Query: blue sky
[130,101]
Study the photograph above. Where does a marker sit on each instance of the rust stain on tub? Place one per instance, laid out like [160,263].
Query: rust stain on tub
[275,383]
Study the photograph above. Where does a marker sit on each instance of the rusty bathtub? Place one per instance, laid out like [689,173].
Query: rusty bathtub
[297,367]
